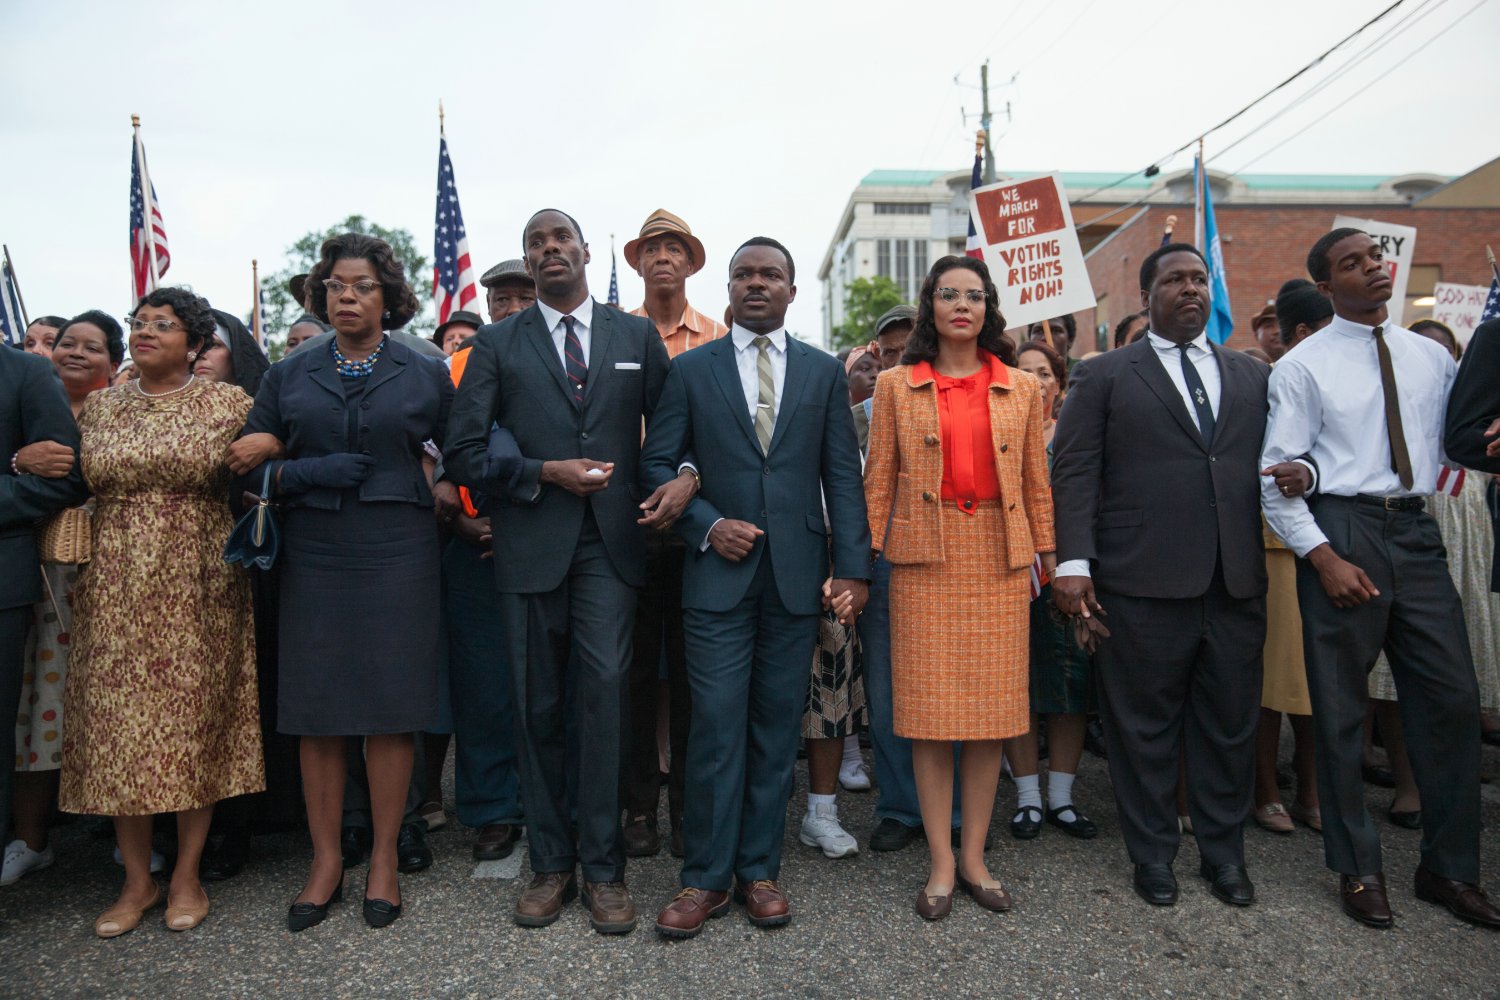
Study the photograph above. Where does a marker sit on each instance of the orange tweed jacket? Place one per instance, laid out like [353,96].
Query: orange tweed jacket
[904,474]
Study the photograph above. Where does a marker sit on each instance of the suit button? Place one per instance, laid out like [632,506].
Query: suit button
[1213,458]
[930,439]
[968,505]
[927,495]
[364,405]
[766,471]
[1004,448]
[584,435]
[762,513]
[1213,503]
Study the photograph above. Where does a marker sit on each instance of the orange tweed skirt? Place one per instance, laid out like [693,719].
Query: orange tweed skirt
[960,634]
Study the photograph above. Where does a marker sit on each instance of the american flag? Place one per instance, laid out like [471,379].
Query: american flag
[1491,304]
[1450,481]
[453,284]
[614,280]
[12,318]
[973,248]
[142,277]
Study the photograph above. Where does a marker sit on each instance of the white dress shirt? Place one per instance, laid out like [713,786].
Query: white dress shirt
[583,324]
[1201,357]
[747,359]
[1327,403]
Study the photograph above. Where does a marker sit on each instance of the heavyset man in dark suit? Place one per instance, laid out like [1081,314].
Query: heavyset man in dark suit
[571,379]
[767,420]
[33,408]
[1472,436]
[1157,492]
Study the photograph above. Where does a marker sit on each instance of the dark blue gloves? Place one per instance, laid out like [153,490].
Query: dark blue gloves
[337,472]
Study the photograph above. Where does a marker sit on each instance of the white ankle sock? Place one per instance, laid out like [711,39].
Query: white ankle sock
[813,801]
[1059,790]
[851,748]
[1028,791]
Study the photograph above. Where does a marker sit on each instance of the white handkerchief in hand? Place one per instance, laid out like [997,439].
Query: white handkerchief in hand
[627,366]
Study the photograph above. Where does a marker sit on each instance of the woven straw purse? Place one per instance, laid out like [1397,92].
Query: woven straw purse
[67,537]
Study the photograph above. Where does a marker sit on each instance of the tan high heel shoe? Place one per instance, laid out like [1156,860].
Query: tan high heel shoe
[185,918]
[113,923]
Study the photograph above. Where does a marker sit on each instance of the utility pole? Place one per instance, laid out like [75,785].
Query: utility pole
[984,122]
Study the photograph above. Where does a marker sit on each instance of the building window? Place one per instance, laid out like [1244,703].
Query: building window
[903,267]
[918,266]
[883,258]
[901,208]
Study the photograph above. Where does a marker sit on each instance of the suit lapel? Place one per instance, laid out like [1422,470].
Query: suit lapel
[598,347]
[320,369]
[392,362]
[540,338]
[727,374]
[1227,388]
[791,387]
[1149,367]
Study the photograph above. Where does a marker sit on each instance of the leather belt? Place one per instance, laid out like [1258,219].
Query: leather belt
[1393,503]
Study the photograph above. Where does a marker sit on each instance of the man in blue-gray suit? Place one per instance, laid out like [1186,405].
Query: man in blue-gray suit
[766,420]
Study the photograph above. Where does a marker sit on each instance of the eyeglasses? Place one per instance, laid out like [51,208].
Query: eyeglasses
[157,325]
[974,295]
[364,289]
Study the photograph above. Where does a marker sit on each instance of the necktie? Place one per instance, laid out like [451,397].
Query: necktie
[573,366]
[765,409]
[1400,459]
[1199,394]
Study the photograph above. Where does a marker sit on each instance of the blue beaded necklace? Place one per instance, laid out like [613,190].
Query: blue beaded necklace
[355,369]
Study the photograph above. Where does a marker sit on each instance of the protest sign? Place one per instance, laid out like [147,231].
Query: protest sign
[1399,244]
[1460,306]
[1031,248]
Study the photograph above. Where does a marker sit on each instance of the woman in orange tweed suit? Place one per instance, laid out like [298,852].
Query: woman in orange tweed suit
[959,502]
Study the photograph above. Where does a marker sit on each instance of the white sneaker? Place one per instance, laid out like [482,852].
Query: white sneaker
[157,861]
[821,829]
[21,860]
[854,775]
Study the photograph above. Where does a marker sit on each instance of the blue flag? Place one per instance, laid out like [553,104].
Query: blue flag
[1220,317]
[1491,304]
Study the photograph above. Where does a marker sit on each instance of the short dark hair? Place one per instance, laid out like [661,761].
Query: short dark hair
[1454,348]
[1068,323]
[1054,360]
[193,312]
[309,318]
[1148,266]
[1299,302]
[766,241]
[1123,327]
[53,321]
[114,337]
[1318,264]
[400,301]
[923,343]
[577,229]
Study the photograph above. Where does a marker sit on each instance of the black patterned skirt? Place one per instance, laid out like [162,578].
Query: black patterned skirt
[836,695]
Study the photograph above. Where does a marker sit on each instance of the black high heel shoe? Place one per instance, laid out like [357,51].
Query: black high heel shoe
[301,916]
[381,912]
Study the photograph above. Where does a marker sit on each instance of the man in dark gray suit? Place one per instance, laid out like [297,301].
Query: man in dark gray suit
[767,419]
[33,409]
[572,380]
[1157,491]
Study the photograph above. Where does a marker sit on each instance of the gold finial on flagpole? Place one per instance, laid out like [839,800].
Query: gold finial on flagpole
[135,121]
[979,139]
[440,116]
[1171,224]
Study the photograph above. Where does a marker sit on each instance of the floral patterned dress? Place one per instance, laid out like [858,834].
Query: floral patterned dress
[160,710]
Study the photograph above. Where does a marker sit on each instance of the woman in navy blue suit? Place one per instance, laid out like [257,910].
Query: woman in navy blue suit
[359,562]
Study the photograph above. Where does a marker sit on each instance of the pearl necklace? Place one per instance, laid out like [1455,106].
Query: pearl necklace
[157,395]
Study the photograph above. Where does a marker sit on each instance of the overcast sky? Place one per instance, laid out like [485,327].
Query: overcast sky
[277,118]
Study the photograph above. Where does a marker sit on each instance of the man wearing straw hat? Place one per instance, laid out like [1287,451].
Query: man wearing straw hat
[665,255]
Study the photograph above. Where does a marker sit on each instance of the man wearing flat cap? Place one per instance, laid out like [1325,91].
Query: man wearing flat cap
[508,288]
[665,254]
[461,325]
[1267,332]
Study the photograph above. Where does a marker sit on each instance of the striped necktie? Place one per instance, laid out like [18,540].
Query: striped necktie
[765,410]
[573,366]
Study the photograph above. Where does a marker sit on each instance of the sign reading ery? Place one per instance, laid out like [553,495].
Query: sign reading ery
[1031,249]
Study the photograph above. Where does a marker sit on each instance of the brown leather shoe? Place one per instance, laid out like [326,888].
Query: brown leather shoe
[934,907]
[611,910]
[764,902]
[1464,900]
[542,901]
[495,841]
[689,910]
[995,900]
[641,838]
[1365,900]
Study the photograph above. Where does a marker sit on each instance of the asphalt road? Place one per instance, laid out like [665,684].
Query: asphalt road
[1077,929]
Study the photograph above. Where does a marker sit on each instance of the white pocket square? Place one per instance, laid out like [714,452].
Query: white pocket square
[627,366]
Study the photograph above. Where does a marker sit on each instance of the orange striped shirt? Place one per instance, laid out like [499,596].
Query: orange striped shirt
[693,329]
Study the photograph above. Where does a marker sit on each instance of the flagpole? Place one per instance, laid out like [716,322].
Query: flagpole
[1487,252]
[255,317]
[1200,183]
[149,211]
[15,284]
[1166,233]
[441,132]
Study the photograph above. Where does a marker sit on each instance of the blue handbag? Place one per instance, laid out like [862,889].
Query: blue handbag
[256,538]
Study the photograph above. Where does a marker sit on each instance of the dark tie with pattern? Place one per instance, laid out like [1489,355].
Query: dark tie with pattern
[1199,393]
[1400,459]
[573,366]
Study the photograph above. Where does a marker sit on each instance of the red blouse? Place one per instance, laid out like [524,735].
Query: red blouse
[969,472]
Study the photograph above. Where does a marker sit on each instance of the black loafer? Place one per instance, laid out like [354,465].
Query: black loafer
[1079,826]
[1229,883]
[381,913]
[354,844]
[301,916]
[1406,820]
[226,859]
[412,852]
[1026,823]
[1156,884]
[1093,739]
[1379,776]
[889,835]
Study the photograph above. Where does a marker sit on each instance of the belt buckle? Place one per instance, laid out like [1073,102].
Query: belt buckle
[1394,503]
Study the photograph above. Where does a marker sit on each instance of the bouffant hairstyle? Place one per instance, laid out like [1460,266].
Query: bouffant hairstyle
[400,301]
[193,312]
[923,343]
[114,337]
[1054,361]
